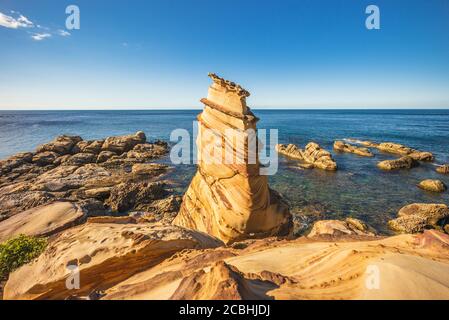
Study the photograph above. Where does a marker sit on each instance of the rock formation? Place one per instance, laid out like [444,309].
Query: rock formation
[312,155]
[417,217]
[71,169]
[411,267]
[432,185]
[399,149]
[444,169]
[349,226]
[42,221]
[105,253]
[345,147]
[230,199]
[405,162]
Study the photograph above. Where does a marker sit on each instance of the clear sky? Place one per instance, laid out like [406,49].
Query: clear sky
[288,54]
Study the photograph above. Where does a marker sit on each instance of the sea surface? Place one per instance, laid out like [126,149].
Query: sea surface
[358,189]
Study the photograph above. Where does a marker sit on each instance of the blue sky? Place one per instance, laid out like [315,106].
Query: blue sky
[288,54]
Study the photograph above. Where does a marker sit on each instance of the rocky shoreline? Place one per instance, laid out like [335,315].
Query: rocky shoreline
[107,210]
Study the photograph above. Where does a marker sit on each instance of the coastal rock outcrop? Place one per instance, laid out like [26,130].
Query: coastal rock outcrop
[345,147]
[71,169]
[312,155]
[411,267]
[405,162]
[230,199]
[432,185]
[105,253]
[444,169]
[42,221]
[417,217]
[399,149]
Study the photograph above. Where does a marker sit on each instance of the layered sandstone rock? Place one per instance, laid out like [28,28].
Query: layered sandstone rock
[399,149]
[416,217]
[345,147]
[410,266]
[228,197]
[105,253]
[349,226]
[312,155]
[42,221]
[432,185]
[405,162]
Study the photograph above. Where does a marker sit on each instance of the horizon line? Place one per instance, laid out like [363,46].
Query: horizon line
[200,108]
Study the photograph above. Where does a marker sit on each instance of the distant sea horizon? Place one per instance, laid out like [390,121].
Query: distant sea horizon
[358,189]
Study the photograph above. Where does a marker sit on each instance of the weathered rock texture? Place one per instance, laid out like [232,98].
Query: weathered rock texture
[432,185]
[410,266]
[416,217]
[230,199]
[105,253]
[444,169]
[312,155]
[69,168]
[349,226]
[42,221]
[399,149]
[405,162]
[345,147]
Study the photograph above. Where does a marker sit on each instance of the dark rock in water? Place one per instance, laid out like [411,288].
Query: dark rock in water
[61,145]
[416,217]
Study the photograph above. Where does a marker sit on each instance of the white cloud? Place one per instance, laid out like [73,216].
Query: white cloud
[40,36]
[13,23]
[63,33]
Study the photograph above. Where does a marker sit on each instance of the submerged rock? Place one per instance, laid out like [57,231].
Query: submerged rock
[416,217]
[432,185]
[405,162]
[231,201]
[345,147]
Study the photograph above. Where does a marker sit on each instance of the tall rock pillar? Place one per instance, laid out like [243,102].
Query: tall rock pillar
[230,199]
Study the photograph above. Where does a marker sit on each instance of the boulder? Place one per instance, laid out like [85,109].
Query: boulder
[104,253]
[163,210]
[61,145]
[345,147]
[396,148]
[444,169]
[123,144]
[44,158]
[148,150]
[93,147]
[15,161]
[313,154]
[290,150]
[350,226]
[42,221]
[127,196]
[230,200]
[105,156]
[405,162]
[416,217]
[432,185]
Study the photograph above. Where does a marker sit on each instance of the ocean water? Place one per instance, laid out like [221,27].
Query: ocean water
[358,189]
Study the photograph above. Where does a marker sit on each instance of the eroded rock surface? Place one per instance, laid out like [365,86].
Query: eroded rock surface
[312,155]
[444,169]
[346,147]
[231,201]
[432,185]
[417,217]
[349,226]
[405,162]
[105,253]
